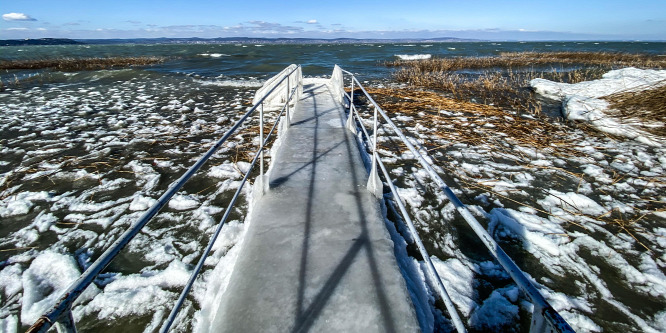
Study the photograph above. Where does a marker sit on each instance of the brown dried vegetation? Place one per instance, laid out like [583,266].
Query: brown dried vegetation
[530,59]
[503,80]
[80,64]
[502,134]
[647,108]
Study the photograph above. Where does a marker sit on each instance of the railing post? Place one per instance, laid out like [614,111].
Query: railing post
[288,117]
[350,124]
[300,82]
[375,185]
[261,141]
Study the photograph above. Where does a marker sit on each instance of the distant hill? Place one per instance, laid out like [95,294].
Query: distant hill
[41,41]
[253,40]
[225,40]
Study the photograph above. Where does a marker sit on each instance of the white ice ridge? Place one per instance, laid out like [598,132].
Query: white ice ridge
[582,101]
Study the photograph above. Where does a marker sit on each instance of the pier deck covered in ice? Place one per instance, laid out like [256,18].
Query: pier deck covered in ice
[317,255]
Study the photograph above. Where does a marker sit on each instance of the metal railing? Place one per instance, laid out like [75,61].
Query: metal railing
[544,317]
[60,315]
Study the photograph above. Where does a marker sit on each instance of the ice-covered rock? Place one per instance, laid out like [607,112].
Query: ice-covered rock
[583,101]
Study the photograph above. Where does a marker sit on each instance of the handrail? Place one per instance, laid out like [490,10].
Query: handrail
[211,242]
[543,315]
[60,313]
[374,186]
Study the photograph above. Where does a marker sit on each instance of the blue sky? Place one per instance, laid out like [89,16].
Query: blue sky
[495,20]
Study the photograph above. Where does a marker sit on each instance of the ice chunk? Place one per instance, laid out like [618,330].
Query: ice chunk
[21,203]
[459,282]
[224,171]
[44,282]
[137,294]
[44,221]
[141,203]
[495,313]
[625,79]
[183,202]
[536,233]
[10,284]
[9,324]
[560,203]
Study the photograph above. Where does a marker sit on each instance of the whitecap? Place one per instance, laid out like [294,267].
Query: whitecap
[214,55]
[413,56]
[239,83]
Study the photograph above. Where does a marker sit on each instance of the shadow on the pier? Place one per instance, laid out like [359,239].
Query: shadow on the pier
[307,314]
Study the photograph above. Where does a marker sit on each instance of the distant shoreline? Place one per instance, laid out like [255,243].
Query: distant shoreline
[40,41]
[224,40]
[251,40]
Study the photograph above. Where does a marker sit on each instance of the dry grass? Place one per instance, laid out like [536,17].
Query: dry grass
[531,59]
[529,131]
[80,64]
[509,90]
[503,80]
[503,135]
[647,108]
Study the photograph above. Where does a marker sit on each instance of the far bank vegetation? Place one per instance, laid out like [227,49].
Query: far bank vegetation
[80,64]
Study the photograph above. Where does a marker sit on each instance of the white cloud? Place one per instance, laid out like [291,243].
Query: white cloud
[312,22]
[268,28]
[17,17]
[17,29]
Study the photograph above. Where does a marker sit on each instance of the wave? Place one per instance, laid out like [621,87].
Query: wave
[214,55]
[239,83]
[413,56]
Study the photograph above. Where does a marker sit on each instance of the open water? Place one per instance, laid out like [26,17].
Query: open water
[248,60]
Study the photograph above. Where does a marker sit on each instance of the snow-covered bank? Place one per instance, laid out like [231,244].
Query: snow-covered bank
[583,101]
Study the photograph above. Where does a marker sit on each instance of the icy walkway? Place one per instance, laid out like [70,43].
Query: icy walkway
[316,256]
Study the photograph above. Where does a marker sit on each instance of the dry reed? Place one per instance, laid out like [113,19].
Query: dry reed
[647,108]
[531,59]
[80,64]
[502,135]
[503,80]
